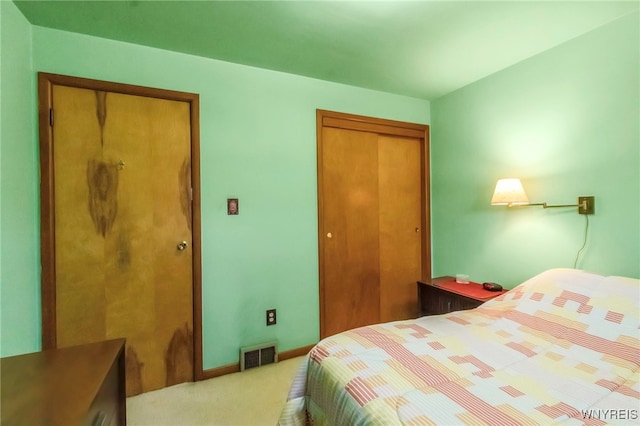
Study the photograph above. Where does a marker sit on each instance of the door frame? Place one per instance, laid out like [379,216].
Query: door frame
[346,121]
[46,81]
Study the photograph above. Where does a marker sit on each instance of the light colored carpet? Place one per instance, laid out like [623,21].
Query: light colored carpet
[254,397]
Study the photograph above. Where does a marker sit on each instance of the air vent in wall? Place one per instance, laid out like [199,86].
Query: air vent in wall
[255,356]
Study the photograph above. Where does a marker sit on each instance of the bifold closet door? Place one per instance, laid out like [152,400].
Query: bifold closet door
[373,224]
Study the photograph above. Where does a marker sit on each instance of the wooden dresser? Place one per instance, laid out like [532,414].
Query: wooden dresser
[79,385]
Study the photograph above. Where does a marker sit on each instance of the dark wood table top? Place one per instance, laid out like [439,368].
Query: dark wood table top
[471,290]
[57,386]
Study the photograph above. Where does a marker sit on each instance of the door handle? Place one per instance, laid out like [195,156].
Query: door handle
[182,245]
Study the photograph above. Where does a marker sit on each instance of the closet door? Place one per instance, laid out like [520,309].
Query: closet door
[351,245]
[373,219]
[400,225]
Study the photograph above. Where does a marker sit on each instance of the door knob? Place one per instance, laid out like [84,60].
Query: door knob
[182,245]
[329,235]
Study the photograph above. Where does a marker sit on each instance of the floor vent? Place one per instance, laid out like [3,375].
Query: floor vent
[255,356]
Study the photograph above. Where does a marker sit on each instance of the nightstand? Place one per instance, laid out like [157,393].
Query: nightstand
[443,294]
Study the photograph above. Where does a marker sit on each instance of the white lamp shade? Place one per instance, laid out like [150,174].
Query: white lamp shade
[509,192]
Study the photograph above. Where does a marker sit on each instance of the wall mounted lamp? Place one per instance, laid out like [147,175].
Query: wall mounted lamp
[509,192]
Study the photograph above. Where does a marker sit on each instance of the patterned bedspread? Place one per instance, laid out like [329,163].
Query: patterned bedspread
[563,347]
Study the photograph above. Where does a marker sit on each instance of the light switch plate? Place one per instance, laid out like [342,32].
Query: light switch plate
[233,206]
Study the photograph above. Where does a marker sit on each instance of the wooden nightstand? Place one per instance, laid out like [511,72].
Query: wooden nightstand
[441,295]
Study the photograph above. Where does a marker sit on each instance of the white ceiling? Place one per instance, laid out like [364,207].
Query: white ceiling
[423,49]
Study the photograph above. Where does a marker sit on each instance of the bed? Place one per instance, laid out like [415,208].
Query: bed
[561,348]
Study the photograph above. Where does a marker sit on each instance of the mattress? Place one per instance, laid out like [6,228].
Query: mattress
[561,348]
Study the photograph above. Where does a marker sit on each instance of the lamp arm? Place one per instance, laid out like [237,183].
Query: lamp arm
[546,206]
[560,205]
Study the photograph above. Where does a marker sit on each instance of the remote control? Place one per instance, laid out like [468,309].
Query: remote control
[492,286]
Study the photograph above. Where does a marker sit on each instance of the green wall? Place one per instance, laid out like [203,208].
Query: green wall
[566,123]
[19,215]
[258,143]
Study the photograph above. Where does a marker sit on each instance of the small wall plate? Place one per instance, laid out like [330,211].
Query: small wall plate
[233,208]
[271,317]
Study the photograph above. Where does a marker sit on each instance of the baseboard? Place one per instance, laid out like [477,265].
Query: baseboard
[294,353]
[234,368]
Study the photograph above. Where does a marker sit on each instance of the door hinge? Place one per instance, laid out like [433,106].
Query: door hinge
[191,194]
[51,117]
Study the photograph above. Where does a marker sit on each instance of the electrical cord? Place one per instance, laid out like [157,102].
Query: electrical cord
[586,230]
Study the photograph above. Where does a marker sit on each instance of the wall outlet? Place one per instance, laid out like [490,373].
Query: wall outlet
[271,317]
[586,205]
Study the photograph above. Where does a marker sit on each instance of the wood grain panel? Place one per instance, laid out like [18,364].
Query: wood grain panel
[67,386]
[398,244]
[434,300]
[95,188]
[79,244]
[378,127]
[399,189]
[350,212]
[120,188]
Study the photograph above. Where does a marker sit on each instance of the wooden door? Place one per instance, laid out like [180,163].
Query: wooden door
[373,219]
[124,252]
[400,225]
[351,271]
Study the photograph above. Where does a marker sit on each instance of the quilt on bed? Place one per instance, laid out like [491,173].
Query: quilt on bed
[563,347]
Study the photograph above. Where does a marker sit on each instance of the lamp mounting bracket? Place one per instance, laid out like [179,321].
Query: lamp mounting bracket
[586,205]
